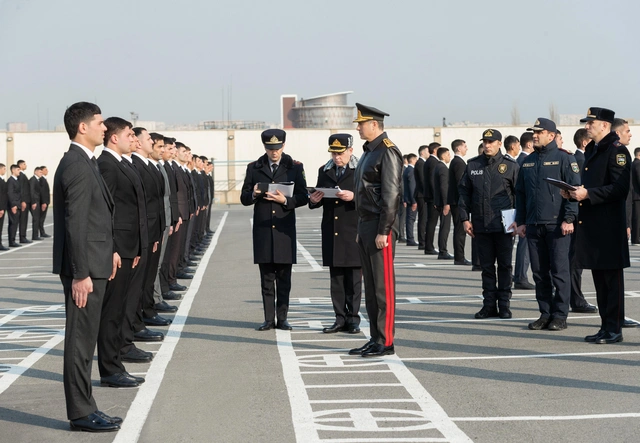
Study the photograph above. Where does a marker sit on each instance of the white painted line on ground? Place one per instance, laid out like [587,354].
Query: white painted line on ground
[141,405]
[380,371]
[355,385]
[506,357]
[488,320]
[550,417]
[308,257]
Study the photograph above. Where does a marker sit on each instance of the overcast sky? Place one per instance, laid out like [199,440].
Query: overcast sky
[418,60]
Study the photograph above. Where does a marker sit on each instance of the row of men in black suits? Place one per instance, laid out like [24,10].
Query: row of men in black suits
[19,196]
[112,217]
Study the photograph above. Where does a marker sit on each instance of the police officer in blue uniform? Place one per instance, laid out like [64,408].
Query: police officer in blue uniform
[274,224]
[547,220]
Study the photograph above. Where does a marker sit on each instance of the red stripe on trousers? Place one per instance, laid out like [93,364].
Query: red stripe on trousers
[387,258]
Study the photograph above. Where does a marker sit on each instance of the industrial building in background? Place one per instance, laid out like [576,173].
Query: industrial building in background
[329,111]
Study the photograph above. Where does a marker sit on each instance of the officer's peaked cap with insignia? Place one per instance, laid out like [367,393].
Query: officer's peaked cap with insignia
[366,113]
[491,135]
[604,114]
[340,142]
[273,138]
[543,124]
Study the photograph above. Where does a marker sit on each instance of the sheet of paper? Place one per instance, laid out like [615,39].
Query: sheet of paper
[508,217]
[286,188]
[328,192]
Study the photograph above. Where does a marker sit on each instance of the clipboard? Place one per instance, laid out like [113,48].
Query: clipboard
[560,184]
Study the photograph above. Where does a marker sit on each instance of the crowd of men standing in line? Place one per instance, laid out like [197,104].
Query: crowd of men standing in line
[128,224]
[20,196]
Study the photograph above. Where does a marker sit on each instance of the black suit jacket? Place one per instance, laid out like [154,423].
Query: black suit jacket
[25,189]
[130,218]
[184,192]
[456,171]
[45,191]
[154,197]
[409,185]
[418,174]
[173,193]
[82,219]
[428,178]
[635,179]
[14,193]
[441,185]
[4,195]
[34,188]
[522,156]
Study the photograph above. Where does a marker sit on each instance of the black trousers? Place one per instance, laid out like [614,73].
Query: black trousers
[432,222]
[173,255]
[475,260]
[160,282]
[422,221]
[346,294]
[410,222]
[445,228]
[14,222]
[577,299]
[185,252]
[379,281]
[275,278]
[81,335]
[402,217]
[495,247]
[43,217]
[635,222]
[522,260]
[132,321]
[609,285]
[150,272]
[208,222]
[110,336]
[35,221]
[2,225]
[549,253]
[459,236]
[24,221]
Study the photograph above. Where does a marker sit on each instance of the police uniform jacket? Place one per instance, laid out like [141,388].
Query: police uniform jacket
[539,202]
[339,219]
[601,231]
[274,225]
[378,183]
[4,197]
[486,188]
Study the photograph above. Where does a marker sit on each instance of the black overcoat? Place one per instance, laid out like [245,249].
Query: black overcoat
[339,220]
[601,230]
[274,225]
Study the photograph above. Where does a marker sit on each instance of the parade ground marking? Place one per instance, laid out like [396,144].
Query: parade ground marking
[138,412]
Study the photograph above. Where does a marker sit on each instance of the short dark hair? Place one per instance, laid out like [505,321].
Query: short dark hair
[618,123]
[433,147]
[579,137]
[81,112]
[635,154]
[19,162]
[456,144]
[510,141]
[37,168]
[525,138]
[411,156]
[2,165]
[114,125]
[380,125]
[180,145]
[13,167]
[422,148]
[204,158]
[155,137]
[43,167]
[138,130]
[169,140]
[558,131]
[480,148]
[442,151]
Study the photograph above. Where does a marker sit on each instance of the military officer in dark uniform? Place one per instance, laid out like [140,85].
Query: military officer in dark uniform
[486,189]
[378,194]
[547,220]
[601,235]
[4,200]
[339,231]
[274,224]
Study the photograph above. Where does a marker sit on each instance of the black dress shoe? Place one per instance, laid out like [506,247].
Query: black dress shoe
[136,356]
[354,329]
[588,309]
[183,276]
[197,253]
[420,248]
[539,324]
[464,262]
[593,338]
[47,236]
[35,239]
[93,423]
[140,380]
[361,349]
[163,306]
[629,323]
[195,259]
[504,313]
[412,243]
[609,337]
[378,350]
[119,380]
[284,325]
[3,248]
[14,245]
[333,328]
[171,296]
[486,312]
[110,419]
[192,263]
[156,321]
[177,287]
[445,256]
[524,284]
[476,268]
[189,270]
[434,252]
[148,335]
[401,239]
[557,324]
[266,326]
[25,240]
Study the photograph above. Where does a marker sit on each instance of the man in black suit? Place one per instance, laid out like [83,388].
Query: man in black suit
[429,197]
[35,208]
[456,171]
[635,190]
[186,184]
[4,201]
[25,201]
[130,242]
[409,197]
[423,155]
[274,224]
[84,258]
[441,191]
[520,280]
[45,200]
[14,198]
[209,172]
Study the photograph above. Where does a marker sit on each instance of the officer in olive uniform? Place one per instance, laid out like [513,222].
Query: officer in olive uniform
[486,189]
[601,233]
[274,224]
[378,195]
[339,232]
[547,220]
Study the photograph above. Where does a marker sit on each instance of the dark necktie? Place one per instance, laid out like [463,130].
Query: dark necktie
[340,172]
[274,168]
[95,163]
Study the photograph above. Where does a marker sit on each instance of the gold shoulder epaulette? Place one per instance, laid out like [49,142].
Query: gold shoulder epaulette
[388,143]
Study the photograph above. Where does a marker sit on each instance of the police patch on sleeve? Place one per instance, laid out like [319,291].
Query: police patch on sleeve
[502,168]
[575,168]
[621,159]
